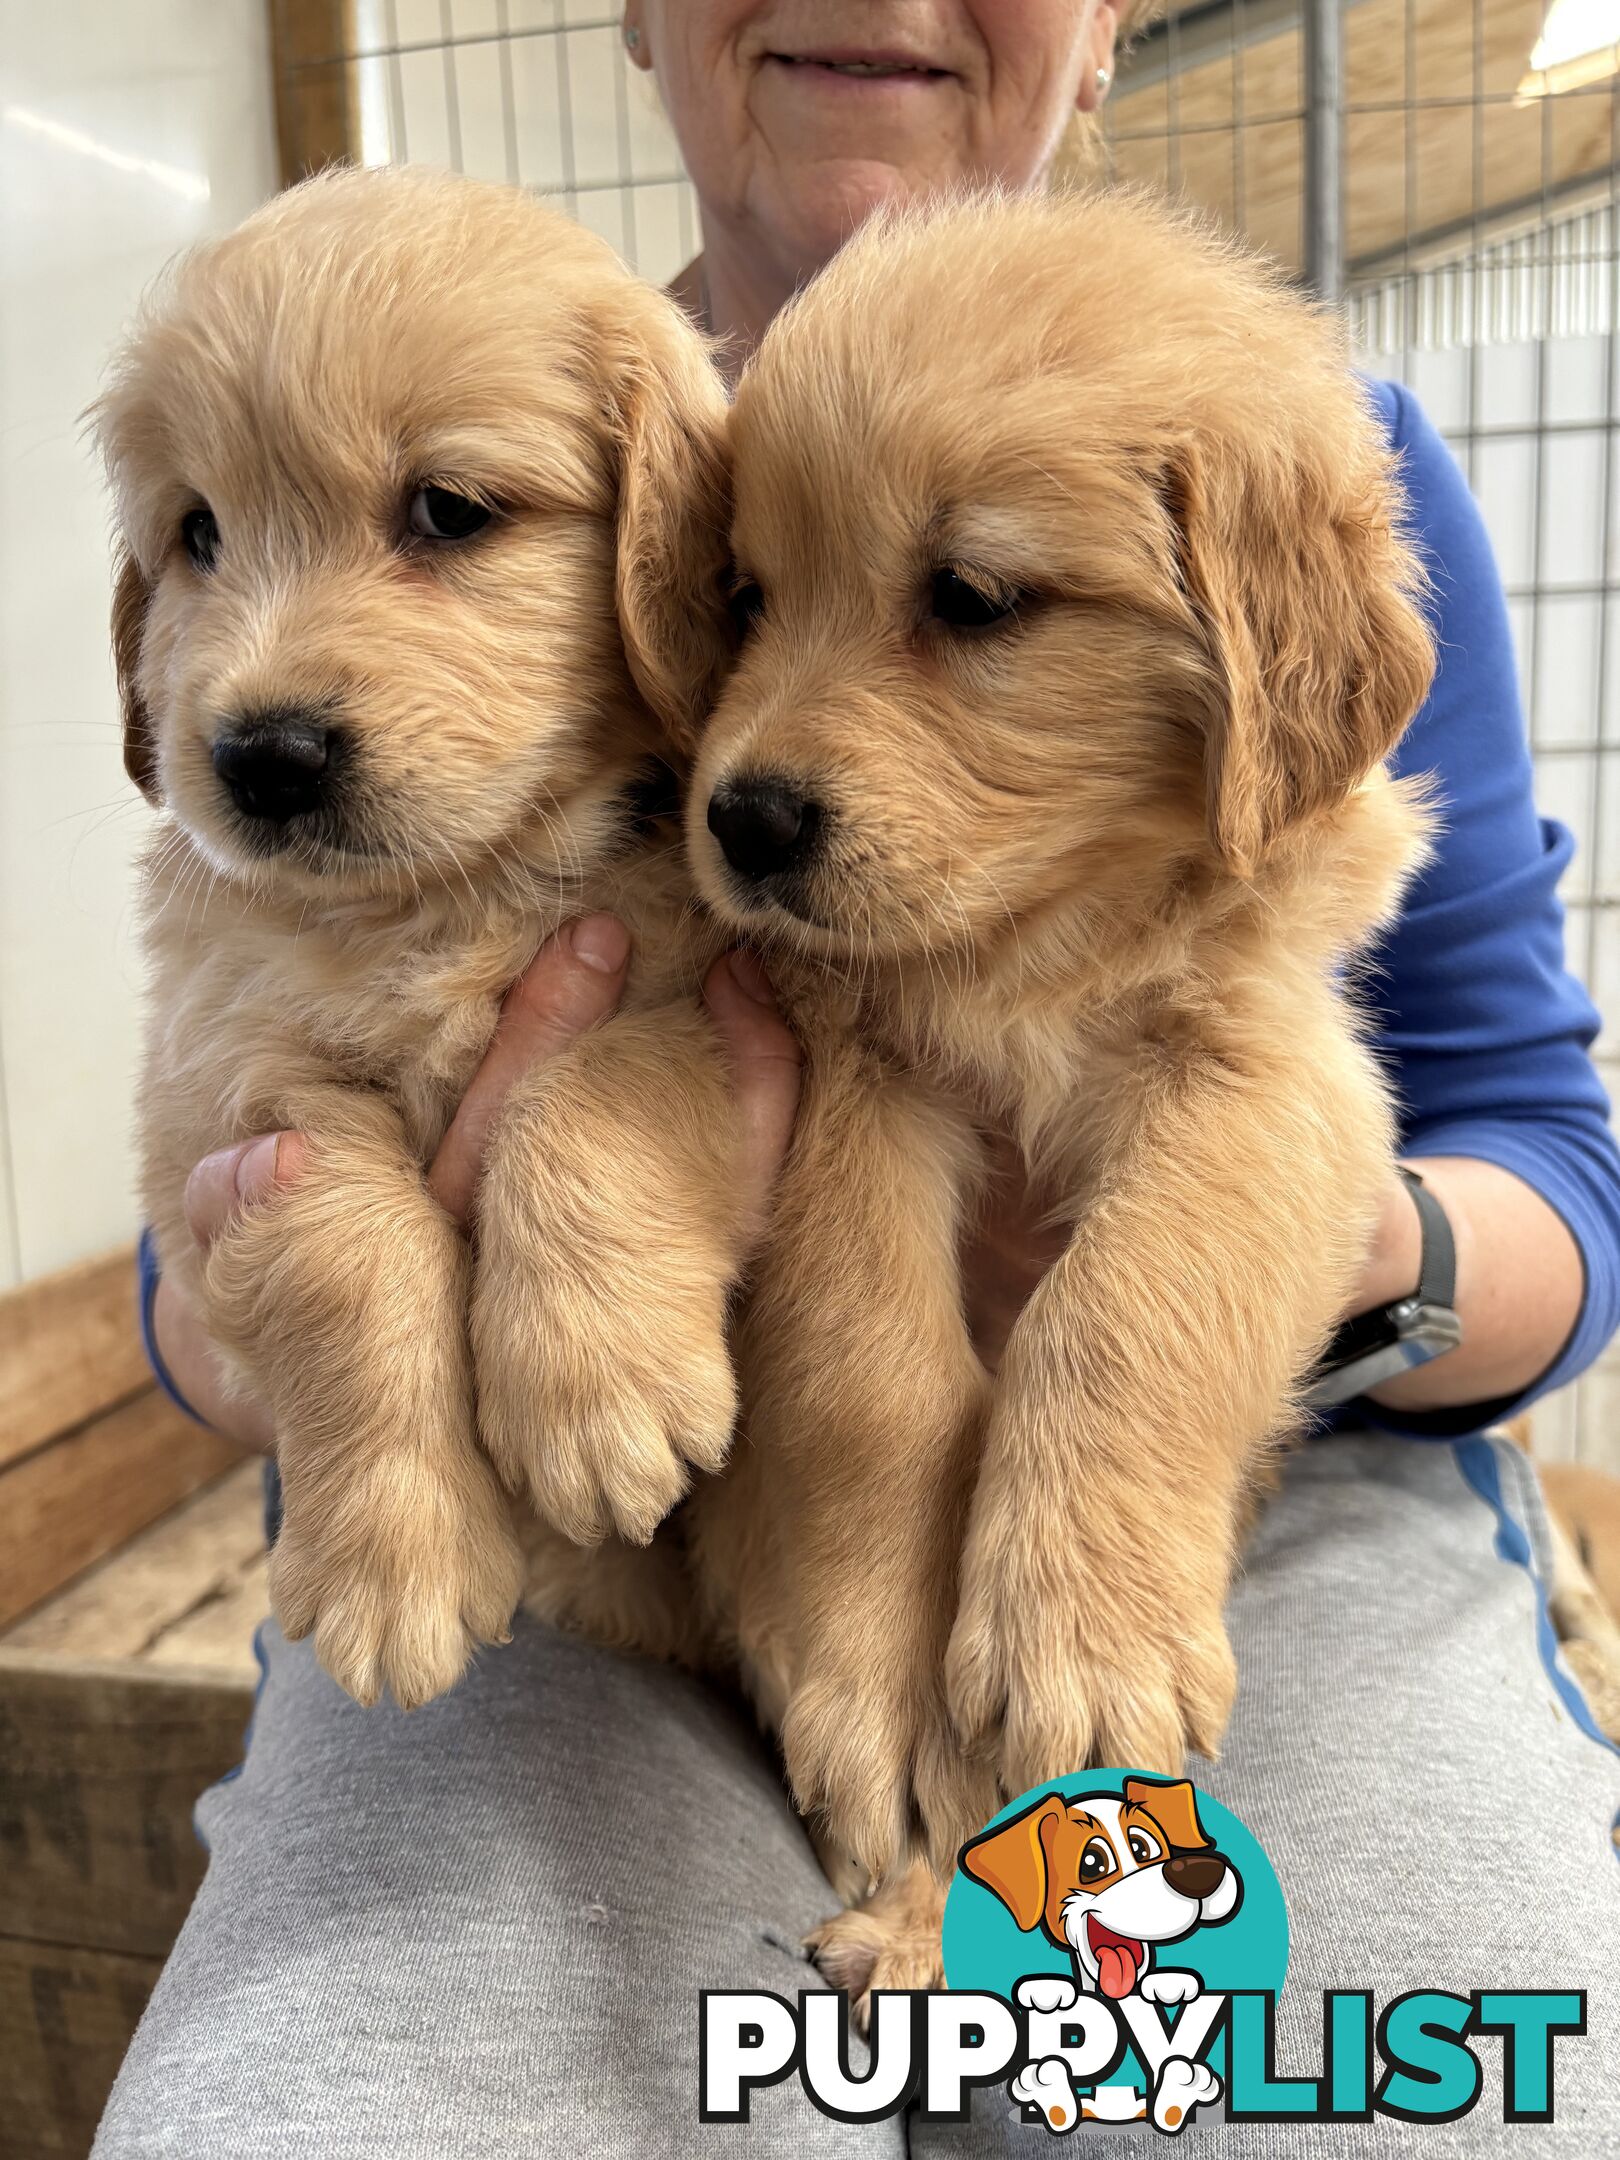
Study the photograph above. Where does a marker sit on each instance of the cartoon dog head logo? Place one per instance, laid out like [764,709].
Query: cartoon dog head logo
[1109,1877]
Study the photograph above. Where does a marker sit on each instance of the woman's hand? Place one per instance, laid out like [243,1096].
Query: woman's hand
[573,983]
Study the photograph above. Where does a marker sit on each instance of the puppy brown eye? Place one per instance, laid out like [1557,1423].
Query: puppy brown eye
[438,513]
[200,536]
[747,605]
[961,605]
[1097,1860]
[1143,1848]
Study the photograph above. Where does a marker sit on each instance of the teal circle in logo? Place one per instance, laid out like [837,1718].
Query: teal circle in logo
[986,1948]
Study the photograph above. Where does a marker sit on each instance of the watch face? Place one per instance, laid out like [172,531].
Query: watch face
[1434,1329]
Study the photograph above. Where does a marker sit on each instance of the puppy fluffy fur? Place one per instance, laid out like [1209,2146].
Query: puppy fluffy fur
[1086,877]
[493,702]
[1085,881]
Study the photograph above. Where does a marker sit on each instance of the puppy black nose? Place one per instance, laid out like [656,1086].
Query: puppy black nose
[275,764]
[1195,1875]
[765,826]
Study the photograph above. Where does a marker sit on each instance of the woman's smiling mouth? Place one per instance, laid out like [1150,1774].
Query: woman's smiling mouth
[862,68]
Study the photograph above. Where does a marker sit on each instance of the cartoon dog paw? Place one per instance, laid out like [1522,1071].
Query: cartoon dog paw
[1181,2087]
[1048,2086]
[1169,1987]
[1046,1992]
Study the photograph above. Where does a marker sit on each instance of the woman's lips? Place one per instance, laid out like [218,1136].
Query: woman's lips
[862,71]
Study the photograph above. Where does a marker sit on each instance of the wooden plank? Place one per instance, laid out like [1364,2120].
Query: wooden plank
[218,1635]
[69,1349]
[66,2017]
[72,1502]
[100,1766]
[128,1603]
[317,93]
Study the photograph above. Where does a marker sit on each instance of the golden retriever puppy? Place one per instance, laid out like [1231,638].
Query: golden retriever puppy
[1050,776]
[412,479]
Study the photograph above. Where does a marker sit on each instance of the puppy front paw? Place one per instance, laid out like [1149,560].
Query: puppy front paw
[874,1762]
[847,1744]
[890,1940]
[400,1585]
[1047,1685]
[599,1393]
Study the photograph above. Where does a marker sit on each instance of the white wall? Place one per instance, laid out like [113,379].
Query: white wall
[125,133]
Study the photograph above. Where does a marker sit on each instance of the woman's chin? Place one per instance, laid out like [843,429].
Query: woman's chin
[830,198]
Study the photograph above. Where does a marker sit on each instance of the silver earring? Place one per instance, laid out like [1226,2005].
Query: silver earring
[1104,77]
[632,37]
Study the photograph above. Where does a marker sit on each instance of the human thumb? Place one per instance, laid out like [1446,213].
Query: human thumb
[225,1184]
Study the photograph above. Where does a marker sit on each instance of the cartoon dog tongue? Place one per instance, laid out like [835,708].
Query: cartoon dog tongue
[1119,1959]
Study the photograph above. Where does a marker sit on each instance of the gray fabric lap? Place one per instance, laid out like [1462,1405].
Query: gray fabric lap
[423,1936]
[432,1936]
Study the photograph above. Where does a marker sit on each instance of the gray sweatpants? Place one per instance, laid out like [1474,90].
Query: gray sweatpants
[479,1933]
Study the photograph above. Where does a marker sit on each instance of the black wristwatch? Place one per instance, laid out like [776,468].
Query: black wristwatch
[1375,1346]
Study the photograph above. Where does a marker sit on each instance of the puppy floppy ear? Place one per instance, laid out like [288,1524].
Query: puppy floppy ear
[670,413]
[1308,595]
[1174,1807]
[131,597]
[1011,1860]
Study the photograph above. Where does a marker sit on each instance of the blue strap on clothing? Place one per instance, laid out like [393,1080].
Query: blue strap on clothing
[150,1275]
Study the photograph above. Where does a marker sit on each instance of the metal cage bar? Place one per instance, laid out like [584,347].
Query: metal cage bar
[1324,147]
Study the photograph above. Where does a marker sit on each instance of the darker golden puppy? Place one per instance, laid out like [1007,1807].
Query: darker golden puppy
[1078,625]
[419,492]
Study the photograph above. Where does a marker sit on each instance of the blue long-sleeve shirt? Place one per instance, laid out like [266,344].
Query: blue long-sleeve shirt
[1484,1031]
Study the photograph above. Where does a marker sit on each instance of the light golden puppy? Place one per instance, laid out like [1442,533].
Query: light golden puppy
[1050,775]
[419,493]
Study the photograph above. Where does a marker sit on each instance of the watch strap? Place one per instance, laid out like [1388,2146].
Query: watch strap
[1437,1263]
[1376,1346]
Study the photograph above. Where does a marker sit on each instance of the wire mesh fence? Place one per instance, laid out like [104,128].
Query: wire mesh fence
[1477,210]
[1481,160]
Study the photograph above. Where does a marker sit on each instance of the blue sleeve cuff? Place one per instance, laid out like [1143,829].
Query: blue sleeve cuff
[1576,1170]
[149,1276]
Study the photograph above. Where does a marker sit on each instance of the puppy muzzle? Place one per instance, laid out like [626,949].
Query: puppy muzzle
[277,766]
[765,827]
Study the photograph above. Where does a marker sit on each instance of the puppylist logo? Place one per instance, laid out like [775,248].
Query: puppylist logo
[1114,1949]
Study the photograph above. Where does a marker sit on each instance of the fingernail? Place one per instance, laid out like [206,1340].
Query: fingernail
[255,1177]
[751,978]
[600,942]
